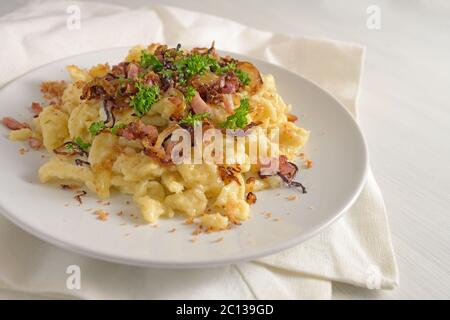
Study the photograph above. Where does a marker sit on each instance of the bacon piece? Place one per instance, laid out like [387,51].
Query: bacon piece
[280,166]
[139,130]
[286,168]
[13,124]
[120,70]
[198,105]
[229,84]
[36,108]
[133,71]
[34,143]
[149,131]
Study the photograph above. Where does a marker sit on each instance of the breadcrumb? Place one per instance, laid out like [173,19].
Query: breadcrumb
[292,197]
[22,151]
[101,215]
[172,230]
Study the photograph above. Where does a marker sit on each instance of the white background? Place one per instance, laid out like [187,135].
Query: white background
[404,112]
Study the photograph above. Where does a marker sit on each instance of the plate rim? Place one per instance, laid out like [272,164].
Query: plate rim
[145,262]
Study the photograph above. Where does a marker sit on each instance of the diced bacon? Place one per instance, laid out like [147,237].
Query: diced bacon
[34,143]
[198,105]
[133,71]
[139,130]
[13,124]
[36,108]
[126,133]
[287,169]
[149,131]
[228,103]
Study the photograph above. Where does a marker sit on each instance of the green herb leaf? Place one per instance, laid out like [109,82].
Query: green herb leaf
[96,127]
[149,60]
[191,119]
[239,118]
[167,73]
[190,93]
[83,145]
[143,100]
[195,64]
[243,77]
[69,146]
[117,127]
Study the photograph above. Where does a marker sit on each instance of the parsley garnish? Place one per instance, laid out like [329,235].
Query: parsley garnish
[149,60]
[69,146]
[190,93]
[143,100]
[239,118]
[83,145]
[117,127]
[195,64]
[167,73]
[191,119]
[243,77]
[96,127]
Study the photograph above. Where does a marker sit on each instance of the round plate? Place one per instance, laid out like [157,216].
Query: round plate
[336,147]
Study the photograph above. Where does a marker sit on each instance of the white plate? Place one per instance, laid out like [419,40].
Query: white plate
[336,146]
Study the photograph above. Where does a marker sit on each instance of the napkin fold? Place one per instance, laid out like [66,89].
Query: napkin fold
[356,249]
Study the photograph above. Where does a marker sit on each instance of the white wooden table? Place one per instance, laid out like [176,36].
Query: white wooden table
[404,113]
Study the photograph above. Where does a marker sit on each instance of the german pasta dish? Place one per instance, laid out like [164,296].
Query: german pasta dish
[183,132]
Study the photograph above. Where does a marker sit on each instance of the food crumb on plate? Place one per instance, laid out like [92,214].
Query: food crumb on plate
[22,151]
[292,197]
[101,215]
[172,230]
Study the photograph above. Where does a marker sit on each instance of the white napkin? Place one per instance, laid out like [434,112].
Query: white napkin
[357,249]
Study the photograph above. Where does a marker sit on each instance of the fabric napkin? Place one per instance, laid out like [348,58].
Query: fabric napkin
[356,249]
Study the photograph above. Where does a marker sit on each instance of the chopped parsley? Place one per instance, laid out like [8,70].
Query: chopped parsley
[190,93]
[117,127]
[243,77]
[96,127]
[83,145]
[143,100]
[195,64]
[69,146]
[191,119]
[149,60]
[239,118]
[167,73]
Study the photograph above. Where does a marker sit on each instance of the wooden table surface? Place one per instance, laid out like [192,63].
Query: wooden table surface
[404,112]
